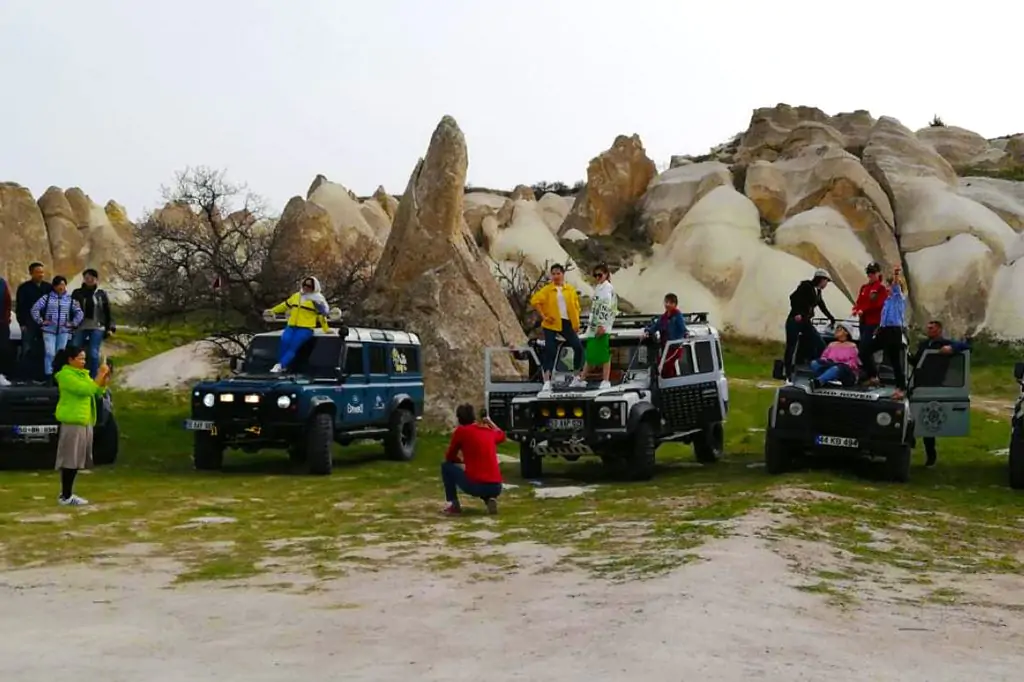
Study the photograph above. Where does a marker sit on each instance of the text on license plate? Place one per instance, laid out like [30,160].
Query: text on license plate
[198,425]
[566,424]
[837,442]
[36,430]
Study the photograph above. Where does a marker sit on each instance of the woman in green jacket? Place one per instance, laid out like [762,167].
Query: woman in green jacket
[76,413]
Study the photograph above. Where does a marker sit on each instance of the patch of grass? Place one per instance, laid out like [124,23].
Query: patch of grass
[131,346]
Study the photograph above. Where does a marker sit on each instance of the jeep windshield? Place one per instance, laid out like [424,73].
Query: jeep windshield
[628,356]
[319,356]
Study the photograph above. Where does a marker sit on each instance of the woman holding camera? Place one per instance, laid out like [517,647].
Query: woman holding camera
[76,413]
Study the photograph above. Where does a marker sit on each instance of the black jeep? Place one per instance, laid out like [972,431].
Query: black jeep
[1017,433]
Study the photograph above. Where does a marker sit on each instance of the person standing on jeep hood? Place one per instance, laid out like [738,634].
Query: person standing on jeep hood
[870,300]
[29,292]
[889,336]
[559,308]
[57,314]
[5,325]
[306,310]
[97,322]
[800,333]
[603,309]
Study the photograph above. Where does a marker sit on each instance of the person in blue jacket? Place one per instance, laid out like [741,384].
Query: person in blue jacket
[57,315]
[935,340]
[669,326]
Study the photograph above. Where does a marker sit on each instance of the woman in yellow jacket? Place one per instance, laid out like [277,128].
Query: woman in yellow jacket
[559,308]
[306,310]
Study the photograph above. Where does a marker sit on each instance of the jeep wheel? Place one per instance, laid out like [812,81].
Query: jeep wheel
[897,464]
[709,444]
[531,465]
[777,459]
[400,443]
[106,442]
[319,439]
[1017,460]
[640,460]
[207,452]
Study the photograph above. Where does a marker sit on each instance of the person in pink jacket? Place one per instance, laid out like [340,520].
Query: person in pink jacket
[840,361]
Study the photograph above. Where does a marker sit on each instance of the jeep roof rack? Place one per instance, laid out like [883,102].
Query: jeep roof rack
[641,320]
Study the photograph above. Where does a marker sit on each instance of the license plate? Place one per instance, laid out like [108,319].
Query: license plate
[566,424]
[36,430]
[198,425]
[837,442]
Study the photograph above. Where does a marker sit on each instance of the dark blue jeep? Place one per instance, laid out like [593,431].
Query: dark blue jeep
[346,384]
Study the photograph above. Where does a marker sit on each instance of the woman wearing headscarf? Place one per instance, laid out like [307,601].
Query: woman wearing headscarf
[307,309]
[76,414]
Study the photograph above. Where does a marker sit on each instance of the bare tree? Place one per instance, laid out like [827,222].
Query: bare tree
[213,257]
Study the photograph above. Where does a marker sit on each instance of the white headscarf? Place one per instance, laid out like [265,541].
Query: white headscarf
[316,297]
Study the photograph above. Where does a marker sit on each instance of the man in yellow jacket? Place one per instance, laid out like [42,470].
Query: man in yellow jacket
[306,310]
[559,308]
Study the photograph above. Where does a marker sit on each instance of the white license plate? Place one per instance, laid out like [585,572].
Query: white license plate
[837,442]
[35,430]
[566,424]
[197,425]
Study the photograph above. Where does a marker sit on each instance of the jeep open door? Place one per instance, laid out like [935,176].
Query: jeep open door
[509,372]
[940,397]
[694,392]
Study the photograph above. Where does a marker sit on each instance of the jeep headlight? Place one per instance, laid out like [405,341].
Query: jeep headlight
[796,409]
[208,400]
[605,412]
[577,411]
[284,402]
[884,419]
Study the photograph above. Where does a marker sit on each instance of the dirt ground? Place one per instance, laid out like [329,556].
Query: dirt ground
[736,615]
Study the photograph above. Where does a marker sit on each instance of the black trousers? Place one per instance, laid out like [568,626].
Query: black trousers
[889,340]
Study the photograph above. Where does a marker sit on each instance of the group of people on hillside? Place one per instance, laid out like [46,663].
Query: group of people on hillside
[50,318]
[880,309]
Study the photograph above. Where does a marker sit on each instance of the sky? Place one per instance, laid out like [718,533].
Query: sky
[115,96]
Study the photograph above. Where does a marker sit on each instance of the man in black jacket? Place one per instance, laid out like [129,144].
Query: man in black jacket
[803,343]
[97,324]
[935,340]
[28,293]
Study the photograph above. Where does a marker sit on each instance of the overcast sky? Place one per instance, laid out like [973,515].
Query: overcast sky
[116,95]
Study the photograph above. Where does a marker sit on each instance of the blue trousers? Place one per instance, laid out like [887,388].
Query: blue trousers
[551,347]
[52,344]
[91,340]
[826,371]
[292,339]
[454,478]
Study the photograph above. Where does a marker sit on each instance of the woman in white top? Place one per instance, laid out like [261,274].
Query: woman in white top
[602,315]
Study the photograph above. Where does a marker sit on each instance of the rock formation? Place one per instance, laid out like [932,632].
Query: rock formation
[65,237]
[23,237]
[433,276]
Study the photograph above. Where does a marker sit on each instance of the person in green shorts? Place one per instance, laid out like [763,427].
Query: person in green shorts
[603,309]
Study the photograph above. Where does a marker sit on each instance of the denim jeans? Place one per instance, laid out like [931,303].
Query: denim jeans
[826,371]
[551,347]
[52,343]
[454,478]
[91,340]
[292,339]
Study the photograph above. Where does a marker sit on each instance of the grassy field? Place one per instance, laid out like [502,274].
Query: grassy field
[260,516]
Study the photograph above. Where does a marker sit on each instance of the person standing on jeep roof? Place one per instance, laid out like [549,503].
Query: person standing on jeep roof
[57,315]
[97,322]
[306,309]
[28,293]
[889,336]
[5,324]
[669,326]
[870,300]
[935,340]
[559,308]
[479,474]
[802,340]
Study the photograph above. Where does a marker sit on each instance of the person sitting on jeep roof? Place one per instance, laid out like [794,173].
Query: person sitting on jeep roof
[669,326]
[306,310]
[839,361]
[889,337]
[559,308]
[935,340]
[479,474]
[802,340]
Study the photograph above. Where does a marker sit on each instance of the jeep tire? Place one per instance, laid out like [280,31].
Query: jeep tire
[640,456]
[319,444]
[897,464]
[106,442]
[777,458]
[531,465]
[207,452]
[1017,459]
[709,443]
[400,441]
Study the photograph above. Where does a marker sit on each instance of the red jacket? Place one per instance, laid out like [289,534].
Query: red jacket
[870,301]
[479,447]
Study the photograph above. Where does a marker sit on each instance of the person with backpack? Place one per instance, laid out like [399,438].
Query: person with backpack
[97,321]
[57,315]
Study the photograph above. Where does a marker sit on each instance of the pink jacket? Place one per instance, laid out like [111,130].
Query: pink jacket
[846,355]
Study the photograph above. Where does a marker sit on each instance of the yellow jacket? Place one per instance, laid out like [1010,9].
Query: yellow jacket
[546,299]
[305,311]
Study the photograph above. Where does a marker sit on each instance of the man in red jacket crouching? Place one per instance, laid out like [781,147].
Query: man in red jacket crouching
[478,473]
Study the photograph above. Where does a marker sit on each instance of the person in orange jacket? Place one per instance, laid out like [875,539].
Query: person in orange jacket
[559,307]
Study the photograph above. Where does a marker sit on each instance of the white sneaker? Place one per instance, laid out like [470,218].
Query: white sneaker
[276,369]
[73,501]
[546,388]
[605,385]
[578,383]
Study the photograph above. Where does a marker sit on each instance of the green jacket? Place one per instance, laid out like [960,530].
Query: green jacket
[77,403]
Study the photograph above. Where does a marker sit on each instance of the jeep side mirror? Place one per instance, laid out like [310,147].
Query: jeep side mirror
[779,370]
[1018,371]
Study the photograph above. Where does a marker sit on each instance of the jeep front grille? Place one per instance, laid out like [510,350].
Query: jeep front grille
[27,410]
[685,407]
[845,418]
